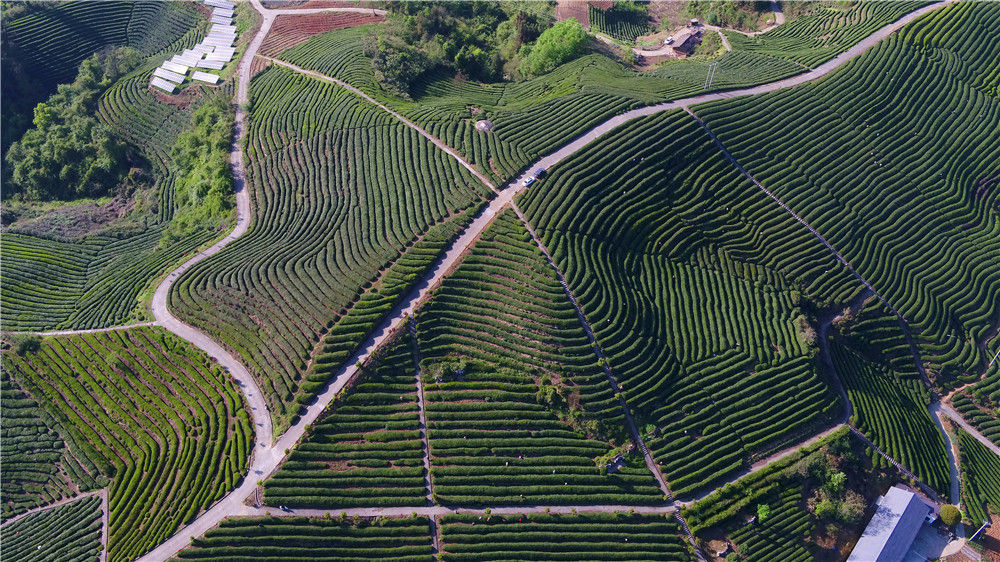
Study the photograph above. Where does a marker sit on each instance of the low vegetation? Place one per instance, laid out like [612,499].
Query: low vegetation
[68,533]
[543,536]
[204,182]
[291,539]
[366,449]
[146,415]
[931,258]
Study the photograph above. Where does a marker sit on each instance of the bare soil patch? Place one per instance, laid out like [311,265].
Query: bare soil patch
[289,31]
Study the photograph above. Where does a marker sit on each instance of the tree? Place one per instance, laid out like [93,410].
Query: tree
[763,512]
[68,153]
[556,45]
[852,508]
[950,515]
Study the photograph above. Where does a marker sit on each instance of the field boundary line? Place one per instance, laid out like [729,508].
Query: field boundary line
[436,511]
[421,410]
[55,504]
[612,381]
[437,142]
[53,333]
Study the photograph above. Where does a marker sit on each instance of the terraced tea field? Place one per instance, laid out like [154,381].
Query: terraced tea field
[980,479]
[890,408]
[504,306]
[68,533]
[340,190]
[299,538]
[542,536]
[815,38]
[142,410]
[623,25]
[366,449]
[694,286]
[540,371]
[868,157]
[32,472]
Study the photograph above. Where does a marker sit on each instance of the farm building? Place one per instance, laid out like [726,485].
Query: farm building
[685,43]
[899,516]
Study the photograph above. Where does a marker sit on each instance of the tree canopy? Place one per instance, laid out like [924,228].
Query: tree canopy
[204,184]
[556,45]
[68,153]
[478,40]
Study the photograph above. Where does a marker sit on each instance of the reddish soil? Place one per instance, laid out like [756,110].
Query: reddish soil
[991,542]
[566,9]
[289,31]
[258,65]
[181,99]
[280,4]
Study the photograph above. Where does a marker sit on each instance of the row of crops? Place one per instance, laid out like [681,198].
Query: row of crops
[533,536]
[980,412]
[504,305]
[145,411]
[354,327]
[98,280]
[814,38]
[32,473]
[507,369]
[340,189]
[890,159]
[980,479]
[367,449]
[622,22]
[784,534]
[891,409]
[279,539]
[694,283]
[544,536]
[68,533]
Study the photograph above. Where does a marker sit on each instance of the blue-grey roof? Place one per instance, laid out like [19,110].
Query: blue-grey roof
[896,522]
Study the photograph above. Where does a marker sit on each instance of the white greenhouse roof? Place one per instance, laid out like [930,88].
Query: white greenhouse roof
[174,67]
[219,42]
[163,85]
[213,64]
[220,4]
[205,77]
[168,75]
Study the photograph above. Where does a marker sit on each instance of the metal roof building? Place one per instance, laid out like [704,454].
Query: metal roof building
[163,85]
[898,517]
